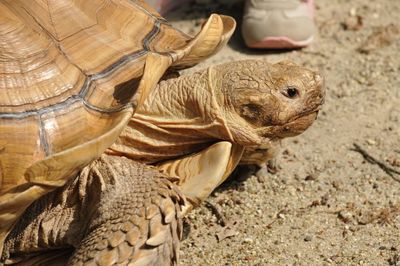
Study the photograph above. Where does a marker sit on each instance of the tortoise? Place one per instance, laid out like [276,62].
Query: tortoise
[251,103]
[73,74]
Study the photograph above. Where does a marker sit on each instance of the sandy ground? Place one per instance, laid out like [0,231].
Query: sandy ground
[328,204]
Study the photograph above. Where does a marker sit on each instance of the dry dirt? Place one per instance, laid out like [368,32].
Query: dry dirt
[328,204]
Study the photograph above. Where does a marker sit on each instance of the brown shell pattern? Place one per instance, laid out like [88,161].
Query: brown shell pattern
[67,69]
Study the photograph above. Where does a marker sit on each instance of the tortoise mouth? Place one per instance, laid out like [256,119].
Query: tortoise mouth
[294,127]
[305,113]
[309,116]
[299,124]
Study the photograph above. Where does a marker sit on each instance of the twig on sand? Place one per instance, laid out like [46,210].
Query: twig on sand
[216,211]
[269,226]
[388,170]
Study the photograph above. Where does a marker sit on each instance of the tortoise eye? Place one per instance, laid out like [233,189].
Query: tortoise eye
[291,92]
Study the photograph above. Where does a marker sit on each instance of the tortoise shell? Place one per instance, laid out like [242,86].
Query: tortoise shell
[71,75]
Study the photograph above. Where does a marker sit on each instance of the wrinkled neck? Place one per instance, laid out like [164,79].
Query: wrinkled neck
[188,102]
[181,116]
[241,131]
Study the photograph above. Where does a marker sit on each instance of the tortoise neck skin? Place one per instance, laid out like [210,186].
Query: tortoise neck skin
[180,116]
[193,102]
[247,102]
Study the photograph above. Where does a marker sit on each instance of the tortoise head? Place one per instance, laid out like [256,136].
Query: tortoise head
[275,100]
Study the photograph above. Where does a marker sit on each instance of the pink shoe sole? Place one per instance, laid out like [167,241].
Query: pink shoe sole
[311,6]
[284,42]
[280,43]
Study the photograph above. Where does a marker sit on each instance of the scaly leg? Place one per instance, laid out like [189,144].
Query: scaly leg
[137,222]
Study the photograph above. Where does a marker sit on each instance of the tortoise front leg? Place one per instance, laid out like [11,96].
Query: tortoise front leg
[137,220]
[199,174]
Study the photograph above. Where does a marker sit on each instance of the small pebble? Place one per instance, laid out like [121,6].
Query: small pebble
[345,216]
[308,238]
[292,190]
[310,177]
[248,240]
[261,179]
